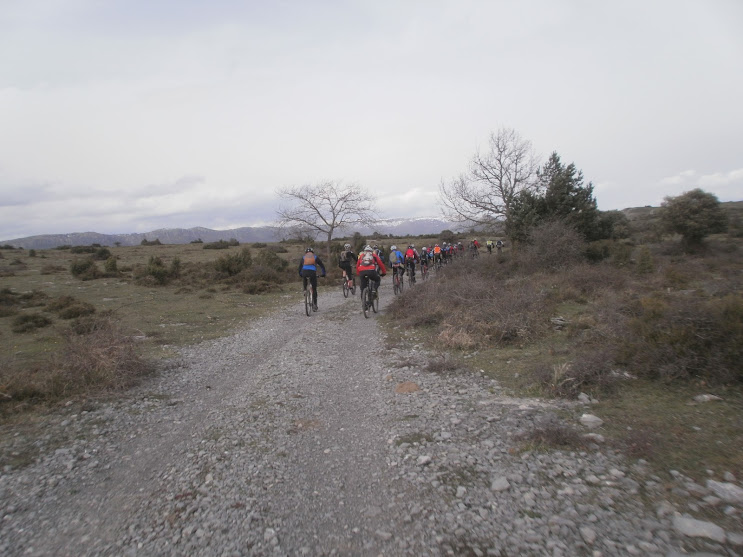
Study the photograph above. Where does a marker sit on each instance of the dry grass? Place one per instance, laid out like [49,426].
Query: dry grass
[645,321]
[551,434]
[93,357]
[191,307]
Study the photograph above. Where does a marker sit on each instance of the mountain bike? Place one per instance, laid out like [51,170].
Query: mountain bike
[308,307]
[411,273]
[369,299]
[398,282]
[349,285]
[424,271]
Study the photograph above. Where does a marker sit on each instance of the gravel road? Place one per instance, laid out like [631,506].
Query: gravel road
[308,436]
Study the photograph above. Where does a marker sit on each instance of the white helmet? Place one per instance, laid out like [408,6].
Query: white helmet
[368,248]
[393,248]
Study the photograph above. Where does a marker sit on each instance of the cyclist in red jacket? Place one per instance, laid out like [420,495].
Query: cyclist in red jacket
[369,266]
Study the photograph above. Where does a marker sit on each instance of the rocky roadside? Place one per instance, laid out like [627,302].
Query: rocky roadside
[307,436]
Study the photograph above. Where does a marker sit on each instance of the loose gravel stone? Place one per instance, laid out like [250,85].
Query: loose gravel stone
[293,437]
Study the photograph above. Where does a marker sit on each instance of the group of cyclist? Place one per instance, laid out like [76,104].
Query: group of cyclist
[370,262]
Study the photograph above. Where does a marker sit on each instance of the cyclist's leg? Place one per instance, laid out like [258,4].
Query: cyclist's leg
[364,280]
[313,282]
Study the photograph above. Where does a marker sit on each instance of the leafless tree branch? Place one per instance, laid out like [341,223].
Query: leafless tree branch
[486,193]
[326,208]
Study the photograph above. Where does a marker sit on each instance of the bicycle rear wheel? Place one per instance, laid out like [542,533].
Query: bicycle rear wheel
[307,301]
[345,288]
[396,284]
[375,300]
[366,301]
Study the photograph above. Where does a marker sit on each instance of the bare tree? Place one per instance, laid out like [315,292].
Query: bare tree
[485,195]
[326,208]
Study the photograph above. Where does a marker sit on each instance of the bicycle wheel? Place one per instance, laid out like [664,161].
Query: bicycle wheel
[365,301]
[307,301]
[424,272]
[375,300]
[396,284]
[402,282]
[353,287]
[345,288]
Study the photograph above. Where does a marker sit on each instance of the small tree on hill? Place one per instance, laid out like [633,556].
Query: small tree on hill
[695,215]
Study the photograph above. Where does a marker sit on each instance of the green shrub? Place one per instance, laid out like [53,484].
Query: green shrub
[30,322]
[111,266]
[155,242]
[7,311]
[645,263]
[32,253]
[84,269]
[598,251]
[157,270]
[268,258]
[82,249]
[221,244]
[175,267]
[101,254]
[685,337]
[69,307]
[233,264]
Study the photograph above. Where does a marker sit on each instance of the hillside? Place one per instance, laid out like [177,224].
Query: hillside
[396,227]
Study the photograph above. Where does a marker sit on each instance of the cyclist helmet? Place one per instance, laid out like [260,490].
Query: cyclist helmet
[368,248]
[425,248]
[309,250]
[393,248]
[410,246]
[347,246]
[436,245]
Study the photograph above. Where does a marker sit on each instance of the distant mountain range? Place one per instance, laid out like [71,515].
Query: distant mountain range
[396,227]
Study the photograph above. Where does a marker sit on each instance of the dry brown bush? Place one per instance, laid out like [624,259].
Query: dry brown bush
[553,434]
[69,307]
[684,336]
[103,358]
[552,246]
[96,356]
[470,307]
[589,370]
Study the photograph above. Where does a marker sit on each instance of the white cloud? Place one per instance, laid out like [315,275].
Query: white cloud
[723,179]
[681,178]
[128,113]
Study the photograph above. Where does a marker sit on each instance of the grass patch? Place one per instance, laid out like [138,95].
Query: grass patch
[154,317]
[552,434]
[663,425]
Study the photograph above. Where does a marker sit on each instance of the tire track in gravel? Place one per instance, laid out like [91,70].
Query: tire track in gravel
[99,508]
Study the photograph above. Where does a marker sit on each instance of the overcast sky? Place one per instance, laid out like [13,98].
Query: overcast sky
[124,116]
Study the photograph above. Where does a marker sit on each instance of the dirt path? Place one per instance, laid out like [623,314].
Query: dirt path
[288,438]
